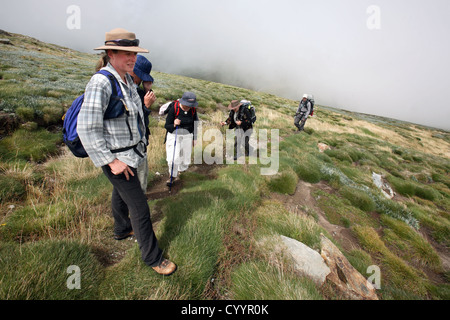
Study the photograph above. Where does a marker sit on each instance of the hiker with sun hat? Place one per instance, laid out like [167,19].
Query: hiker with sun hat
[118,144]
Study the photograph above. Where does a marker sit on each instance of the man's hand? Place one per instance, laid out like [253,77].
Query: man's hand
[118,167]
[149,98]
[238,122]
[177,122]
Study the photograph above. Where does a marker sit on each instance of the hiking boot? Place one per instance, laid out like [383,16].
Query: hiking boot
[127,235]
[165,268]
[174,179]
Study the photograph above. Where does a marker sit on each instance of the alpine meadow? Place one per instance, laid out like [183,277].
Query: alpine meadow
[366,197]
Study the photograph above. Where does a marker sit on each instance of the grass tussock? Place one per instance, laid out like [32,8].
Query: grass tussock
[259,281]
[40,271]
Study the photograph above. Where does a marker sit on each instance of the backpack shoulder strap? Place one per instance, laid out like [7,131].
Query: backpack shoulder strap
[176,107]
[116,90]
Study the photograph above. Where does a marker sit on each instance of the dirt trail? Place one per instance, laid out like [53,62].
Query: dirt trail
[302,202]
[160,190]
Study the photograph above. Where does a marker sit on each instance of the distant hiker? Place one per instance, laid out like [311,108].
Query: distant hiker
[303,111]
[118,145]
[241,118]
[141,75]
[180,123]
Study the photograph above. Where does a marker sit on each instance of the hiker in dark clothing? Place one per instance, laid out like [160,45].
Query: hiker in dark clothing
[240,119]
[182,115]
[141,74]
[303,111]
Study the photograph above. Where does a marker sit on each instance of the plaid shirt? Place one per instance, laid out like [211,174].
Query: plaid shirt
[100,136]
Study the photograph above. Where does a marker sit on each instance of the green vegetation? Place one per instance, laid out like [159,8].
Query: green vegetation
[43,268]
[55,208]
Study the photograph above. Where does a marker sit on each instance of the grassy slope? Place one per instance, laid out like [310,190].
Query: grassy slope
[216,227]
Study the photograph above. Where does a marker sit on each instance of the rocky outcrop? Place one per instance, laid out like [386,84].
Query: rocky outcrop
[322,147]
[384,187]
[328,265]
[343,275]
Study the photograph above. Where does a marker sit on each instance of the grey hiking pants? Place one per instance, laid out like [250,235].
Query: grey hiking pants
[299,121]
[131,212]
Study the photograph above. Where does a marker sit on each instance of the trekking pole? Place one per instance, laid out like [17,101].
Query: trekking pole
[173,159]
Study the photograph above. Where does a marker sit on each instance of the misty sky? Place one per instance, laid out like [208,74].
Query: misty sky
[382,57]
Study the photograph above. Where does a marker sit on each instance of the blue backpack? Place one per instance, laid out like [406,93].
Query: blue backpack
[115,109]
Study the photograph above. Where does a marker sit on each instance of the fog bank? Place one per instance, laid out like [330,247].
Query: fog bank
[387,58]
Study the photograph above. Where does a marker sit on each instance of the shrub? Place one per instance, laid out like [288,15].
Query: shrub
[403,187]
[309,130]
[358,198]
[29,126]
[437,177]
[52,114]
[11,189]
[309,170]
[284,183]
[426,193]
[25,113]
[31,145]
[411,188]
[339,154]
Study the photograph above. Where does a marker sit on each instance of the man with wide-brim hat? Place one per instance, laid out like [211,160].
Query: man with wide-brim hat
[240,120]
[117,145]
[234,105]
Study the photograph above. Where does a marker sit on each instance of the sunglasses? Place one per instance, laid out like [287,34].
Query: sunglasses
[125,42]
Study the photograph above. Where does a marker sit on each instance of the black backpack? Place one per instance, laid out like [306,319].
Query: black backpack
[247,104]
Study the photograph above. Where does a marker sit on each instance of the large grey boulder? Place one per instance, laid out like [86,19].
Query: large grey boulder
[306,260]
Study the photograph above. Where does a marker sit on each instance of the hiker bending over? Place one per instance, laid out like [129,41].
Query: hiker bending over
[118,145]
[241,119]
[141,74]
[303,111]
[181,121]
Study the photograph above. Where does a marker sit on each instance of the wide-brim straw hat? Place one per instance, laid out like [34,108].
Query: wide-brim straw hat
[121,39]
[234,104]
